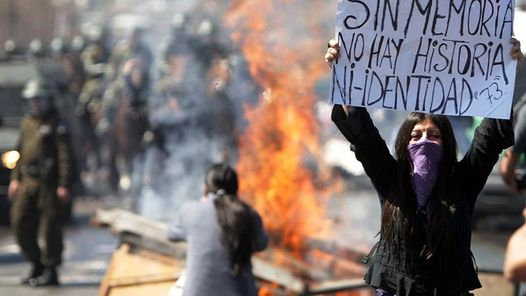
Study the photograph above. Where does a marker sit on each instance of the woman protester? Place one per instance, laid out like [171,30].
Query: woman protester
[223,232]
[427,196]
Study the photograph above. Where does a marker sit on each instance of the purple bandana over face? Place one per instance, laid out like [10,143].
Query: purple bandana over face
[426,156]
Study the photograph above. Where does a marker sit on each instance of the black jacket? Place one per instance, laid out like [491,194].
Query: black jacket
[452,271]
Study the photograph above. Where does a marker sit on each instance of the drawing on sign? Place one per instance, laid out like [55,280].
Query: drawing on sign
[446,57]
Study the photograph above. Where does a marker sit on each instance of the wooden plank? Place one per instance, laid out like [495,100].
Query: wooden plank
[138,232]
[271,273]
[167,248]
[138,267]
[123,221]
[142,233]
[146,279]
[151,289]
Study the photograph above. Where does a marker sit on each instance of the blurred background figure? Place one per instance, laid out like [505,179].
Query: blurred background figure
[124,121]
[10,49]
[222,118]
[65,72]
[133,47]
[94,59]
[77,45]
[37,51]
[177,40]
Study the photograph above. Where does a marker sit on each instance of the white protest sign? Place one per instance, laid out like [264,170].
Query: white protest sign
[438,56]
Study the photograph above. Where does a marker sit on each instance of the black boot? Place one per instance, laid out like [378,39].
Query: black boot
[48,278]
[37,269]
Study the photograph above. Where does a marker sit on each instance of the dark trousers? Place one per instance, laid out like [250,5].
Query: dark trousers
[37,212]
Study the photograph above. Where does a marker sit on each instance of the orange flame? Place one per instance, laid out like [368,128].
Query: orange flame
[284,49]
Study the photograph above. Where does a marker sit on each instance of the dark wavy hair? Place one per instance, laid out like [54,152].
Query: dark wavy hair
[402,206]
[233,215]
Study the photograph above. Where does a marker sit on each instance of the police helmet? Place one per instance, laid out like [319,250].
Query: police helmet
[78,43]
[206,28]
[36,47]
[96,33]
[58,47]
[179,22]
[36,87]
[10,46]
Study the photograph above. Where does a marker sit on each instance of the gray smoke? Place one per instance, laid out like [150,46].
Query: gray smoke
[176,175]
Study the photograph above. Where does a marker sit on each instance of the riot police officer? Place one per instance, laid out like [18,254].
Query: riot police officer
[133,47]
[94,62]
[10,48]
[178,40]
[58,48]
[36,50]
[40,185]
[125,121]
[96,54]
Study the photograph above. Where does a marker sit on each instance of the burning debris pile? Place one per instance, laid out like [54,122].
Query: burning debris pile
[280,150]
[282,133]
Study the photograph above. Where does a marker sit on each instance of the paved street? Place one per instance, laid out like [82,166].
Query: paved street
[87,254]
[88,250]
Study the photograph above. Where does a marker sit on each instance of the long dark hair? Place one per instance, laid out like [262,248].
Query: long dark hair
[401,206]
[233,215]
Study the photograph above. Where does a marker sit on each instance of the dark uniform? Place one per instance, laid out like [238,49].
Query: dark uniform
[94,59]
[42,170]
[133,48]
[125,119]
[177,42]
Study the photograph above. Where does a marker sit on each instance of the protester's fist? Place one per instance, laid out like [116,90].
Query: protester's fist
[516,52]
[333,51]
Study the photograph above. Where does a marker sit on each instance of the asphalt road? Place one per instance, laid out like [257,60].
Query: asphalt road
[86,257]
[88,250]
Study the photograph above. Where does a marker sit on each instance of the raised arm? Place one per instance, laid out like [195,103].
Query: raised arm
[491,137]
[357,127]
